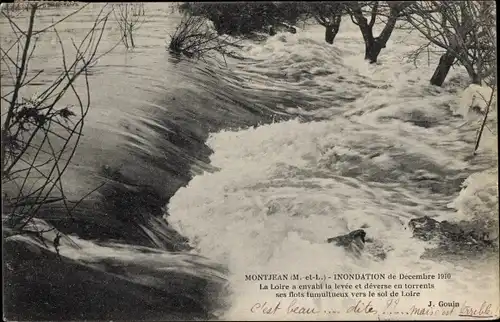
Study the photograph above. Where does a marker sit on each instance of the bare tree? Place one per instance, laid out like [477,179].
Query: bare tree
[464,30]
[329,15]
[129,16]
[375,9]
[40,134]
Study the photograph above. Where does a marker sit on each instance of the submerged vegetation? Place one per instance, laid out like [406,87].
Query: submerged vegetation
[194,39]
[464,30]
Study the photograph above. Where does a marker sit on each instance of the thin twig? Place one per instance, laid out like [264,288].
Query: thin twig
[484,120]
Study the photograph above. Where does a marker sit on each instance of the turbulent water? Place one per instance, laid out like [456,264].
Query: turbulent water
[261,160]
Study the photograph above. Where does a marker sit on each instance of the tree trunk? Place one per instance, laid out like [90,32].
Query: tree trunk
[272,32]
[445,63]
[131,37]
[330,33]
[373,48]
[474,77]
[332,29]
[371,44]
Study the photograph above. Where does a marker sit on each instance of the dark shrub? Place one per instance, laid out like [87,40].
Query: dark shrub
[194,39]
[244,18]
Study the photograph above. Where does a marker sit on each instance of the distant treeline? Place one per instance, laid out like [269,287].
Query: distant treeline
[243,18]
[24,5]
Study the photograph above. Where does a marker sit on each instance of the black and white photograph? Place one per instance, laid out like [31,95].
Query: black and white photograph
[249,161]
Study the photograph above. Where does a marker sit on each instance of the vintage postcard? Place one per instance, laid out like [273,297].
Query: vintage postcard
[249,161]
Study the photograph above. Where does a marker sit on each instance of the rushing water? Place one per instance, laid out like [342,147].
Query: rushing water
[259,161]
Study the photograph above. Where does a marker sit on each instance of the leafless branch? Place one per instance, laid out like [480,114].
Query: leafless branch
[129,17]
[465,29]
[39,137]
[194,39]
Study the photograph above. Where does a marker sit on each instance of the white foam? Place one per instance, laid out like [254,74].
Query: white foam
[284,188]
